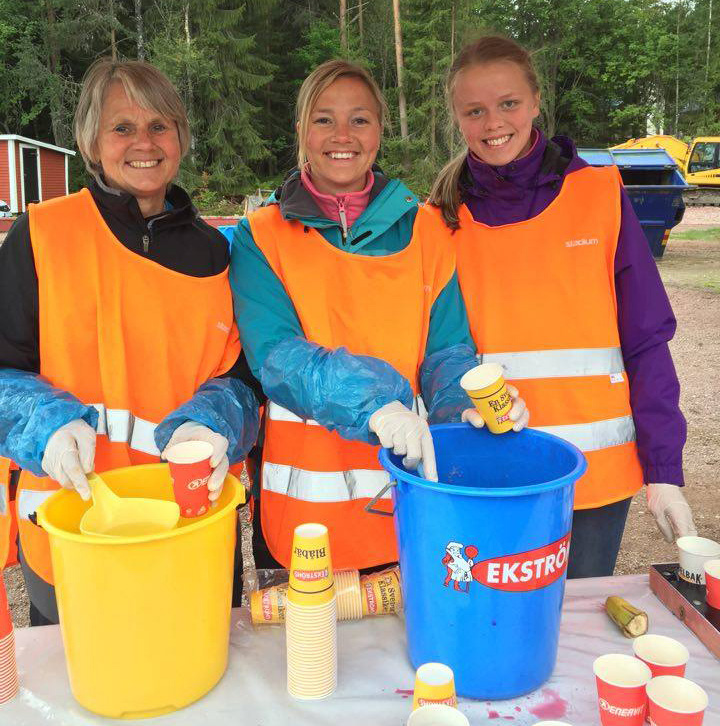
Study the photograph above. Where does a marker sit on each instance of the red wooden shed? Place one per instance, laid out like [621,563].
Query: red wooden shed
[31,171]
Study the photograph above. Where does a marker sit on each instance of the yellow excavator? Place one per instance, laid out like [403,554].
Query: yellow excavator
[699,163]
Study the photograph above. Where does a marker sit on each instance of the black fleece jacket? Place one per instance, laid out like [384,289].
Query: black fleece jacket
[176,238]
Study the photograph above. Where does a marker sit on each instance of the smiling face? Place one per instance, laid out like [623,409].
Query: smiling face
[494,106]
[138,149]
[343,136]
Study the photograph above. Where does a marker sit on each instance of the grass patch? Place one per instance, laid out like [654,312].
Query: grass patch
[711,235]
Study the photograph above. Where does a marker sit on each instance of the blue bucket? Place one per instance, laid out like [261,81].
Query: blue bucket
[483,555]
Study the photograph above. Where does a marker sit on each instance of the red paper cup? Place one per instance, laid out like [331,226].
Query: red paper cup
[5,619]
[621,681]
[190,470]
[675,701]
[712,583]
[663,655]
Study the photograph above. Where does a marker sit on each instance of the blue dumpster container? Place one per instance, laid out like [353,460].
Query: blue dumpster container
[654,185]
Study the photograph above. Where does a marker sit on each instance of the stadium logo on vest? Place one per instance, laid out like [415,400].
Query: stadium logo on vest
[519,572]
[582,242]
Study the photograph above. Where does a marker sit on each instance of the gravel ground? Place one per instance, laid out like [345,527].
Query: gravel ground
[695,217]
[691,272]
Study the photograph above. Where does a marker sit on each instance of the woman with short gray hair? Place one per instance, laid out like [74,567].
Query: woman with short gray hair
[117,335]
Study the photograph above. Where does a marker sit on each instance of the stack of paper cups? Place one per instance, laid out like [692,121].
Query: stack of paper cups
[349,598]
[311,616]
[8,667]
[381,594]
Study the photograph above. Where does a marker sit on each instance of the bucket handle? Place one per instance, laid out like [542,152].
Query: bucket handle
[369,506]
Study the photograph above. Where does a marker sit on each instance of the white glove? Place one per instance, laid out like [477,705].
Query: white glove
[408,435]
[668,505]
[193,431]
[70,455]
[518,413]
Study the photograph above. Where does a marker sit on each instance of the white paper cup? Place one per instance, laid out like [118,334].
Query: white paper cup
[665,656]
[675,701]
[694,553]
[437,715]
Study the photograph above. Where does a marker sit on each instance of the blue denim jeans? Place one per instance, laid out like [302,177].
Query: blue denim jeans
[596,537]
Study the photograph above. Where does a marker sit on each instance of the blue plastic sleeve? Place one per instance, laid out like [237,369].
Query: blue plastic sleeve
[440,376]
[337,389]
[225,405]
[31,411]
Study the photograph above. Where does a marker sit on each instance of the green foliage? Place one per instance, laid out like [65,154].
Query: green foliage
[608,68]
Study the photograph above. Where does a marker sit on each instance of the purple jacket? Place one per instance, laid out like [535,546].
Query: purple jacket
[521,190]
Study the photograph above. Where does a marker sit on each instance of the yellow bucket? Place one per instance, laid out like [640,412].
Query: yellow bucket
[145,620]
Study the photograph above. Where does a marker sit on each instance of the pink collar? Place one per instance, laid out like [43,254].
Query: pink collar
[342,208]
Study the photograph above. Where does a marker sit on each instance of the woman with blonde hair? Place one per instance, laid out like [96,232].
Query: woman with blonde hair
[561,289]
[117,316]
[346,317]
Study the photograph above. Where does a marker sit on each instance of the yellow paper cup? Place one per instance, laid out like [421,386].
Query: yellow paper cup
[349,597]
[434,683]
[381,593]
[486,387]
[311,574]
[268,606]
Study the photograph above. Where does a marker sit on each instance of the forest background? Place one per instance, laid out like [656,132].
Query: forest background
[610,70]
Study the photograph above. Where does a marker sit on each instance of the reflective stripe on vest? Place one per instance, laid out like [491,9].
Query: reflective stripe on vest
[122,426]
[323,486]
[3,500]
[276,412]
[595,435]
[558,363]
[28,501]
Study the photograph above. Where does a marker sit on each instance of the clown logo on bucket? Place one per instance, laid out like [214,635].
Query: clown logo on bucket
[459,569]
[519,572]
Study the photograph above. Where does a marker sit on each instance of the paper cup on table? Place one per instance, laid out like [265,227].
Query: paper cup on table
[486,387]
[267,607]
[621,681]
[311,634]
[436,714]
[349,598]
[190,470]
[311,573]
[381,592]
[694,553]
[8,666]
[311,616]
[675,701]
[664,656]
[712,583]
[434,683]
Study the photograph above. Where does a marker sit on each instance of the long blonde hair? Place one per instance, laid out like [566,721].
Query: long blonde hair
[445,192]
[322,77]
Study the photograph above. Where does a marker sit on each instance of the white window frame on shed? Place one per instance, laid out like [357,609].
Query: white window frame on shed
[22,173]
[17,196]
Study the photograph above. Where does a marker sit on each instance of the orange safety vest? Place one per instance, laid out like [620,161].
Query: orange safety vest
[5,512]
[540,296]
[120,332]
[375,306]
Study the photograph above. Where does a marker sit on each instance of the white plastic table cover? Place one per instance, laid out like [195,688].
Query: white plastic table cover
[375,676]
